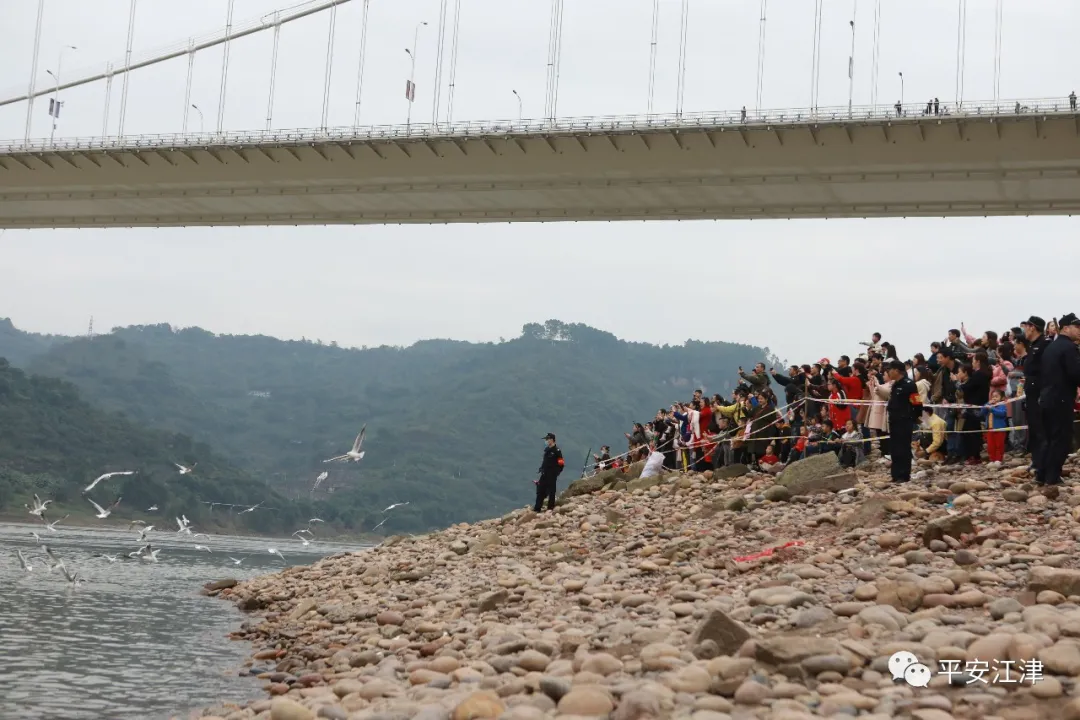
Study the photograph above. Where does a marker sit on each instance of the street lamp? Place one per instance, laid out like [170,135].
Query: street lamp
[901,89]
[519,103]
[55,109]
[851,69]
[200,117]
[410,89]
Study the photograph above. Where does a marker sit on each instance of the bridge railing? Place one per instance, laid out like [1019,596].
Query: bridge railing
[558,126]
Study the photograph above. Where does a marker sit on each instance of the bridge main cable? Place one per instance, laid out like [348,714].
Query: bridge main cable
[228,36]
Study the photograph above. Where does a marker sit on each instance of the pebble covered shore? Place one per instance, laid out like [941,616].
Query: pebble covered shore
[628,603]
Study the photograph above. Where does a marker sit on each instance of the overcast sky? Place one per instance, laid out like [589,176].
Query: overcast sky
[803,288]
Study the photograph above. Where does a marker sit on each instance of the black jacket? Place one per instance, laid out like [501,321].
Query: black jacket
[793,386]
[552,464]
[900,406]
[1033,367]
[1060,373]
[977,388]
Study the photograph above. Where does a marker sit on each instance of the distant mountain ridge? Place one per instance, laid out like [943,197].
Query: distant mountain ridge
[454,428]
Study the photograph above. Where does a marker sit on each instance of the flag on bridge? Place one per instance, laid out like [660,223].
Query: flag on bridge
[410,90]
[54,107]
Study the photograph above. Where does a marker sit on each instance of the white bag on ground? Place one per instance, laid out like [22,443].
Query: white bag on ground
[654,465]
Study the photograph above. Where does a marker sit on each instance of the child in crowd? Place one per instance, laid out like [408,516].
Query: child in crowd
[769,462]
[996,416]
[851,451]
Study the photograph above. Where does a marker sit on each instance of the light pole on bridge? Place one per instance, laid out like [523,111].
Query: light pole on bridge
[519,103]
[851,67]
[901,89]
[201,123]
[54,106]
[410,87]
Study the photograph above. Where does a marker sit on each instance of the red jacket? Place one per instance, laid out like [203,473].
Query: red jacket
[852,386]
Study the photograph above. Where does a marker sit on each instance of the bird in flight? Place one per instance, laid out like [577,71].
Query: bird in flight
[51,526]
[36,536]
[275,551]
[203,547]
[318,481]
[299,535]
[53,562]
[72,578]
[395,505]
[39,507]
[110,558]
[106,476]
[184,470]
[356,454]
[183,524]
[314,520]
[252,508]
[152,508]
[237,561]
[144,531]
[23,561]
[103,512]
[379,525]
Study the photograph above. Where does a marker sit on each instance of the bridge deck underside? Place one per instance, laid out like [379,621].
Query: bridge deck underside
[922,167]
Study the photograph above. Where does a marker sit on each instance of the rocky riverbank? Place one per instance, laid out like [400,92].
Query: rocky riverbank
[669,599]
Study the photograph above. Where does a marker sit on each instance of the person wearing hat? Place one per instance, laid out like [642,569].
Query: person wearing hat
[1060,378]
[1034,330]
[550,468]
[905,409]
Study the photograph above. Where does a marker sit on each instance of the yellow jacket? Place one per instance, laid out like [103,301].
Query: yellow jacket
[937,427]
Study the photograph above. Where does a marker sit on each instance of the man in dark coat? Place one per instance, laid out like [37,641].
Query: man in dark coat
[1035,331]
[1060,377]
[904,411]
[550,468]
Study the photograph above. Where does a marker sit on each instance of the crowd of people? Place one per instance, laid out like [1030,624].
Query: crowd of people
[966,398]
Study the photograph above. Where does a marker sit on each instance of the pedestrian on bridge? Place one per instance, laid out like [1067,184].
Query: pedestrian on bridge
[1072,100]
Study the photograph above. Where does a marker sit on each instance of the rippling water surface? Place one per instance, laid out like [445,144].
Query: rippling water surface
[137,640]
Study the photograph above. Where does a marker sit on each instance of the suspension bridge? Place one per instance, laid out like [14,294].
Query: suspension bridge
[960,157]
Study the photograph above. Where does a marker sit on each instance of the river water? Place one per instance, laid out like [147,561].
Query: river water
[137,639]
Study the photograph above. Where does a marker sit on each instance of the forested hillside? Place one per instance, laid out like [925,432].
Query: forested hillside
[54,444]
[453,428]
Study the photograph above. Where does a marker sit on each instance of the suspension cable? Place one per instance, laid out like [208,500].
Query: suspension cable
[224,68]
[360,66]
[684,18]
[329,66]
[437,95]
[33,68]
[127,61]
[453,62]
[652,52]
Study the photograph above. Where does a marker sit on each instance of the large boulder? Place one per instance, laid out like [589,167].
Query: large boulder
[1060,580]
[602,480]
[730,471]
[728,634]
[816,474]
[955,526]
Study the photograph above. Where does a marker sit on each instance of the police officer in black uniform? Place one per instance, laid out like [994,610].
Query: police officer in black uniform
[904,410]
[550,468]
[1035,332]
[1060,377]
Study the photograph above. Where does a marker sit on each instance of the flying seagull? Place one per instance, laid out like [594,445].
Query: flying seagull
[356,454]
[395,505]
[183,524]
[106,476]
[198,535]
[53,562]
[51,526]
[274,551]
[299,534]
[184,470]
[74,579]
[104,512]
[36,536]
[133,523]
[203,547]
[39,507]
[237,561]
[152,508]
[315,520]
[379,525]
[144,531]
[23,561]
[318,481]
[252,508]
[110,558]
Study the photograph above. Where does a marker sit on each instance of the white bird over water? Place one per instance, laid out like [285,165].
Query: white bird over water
[379,525]
[237,561]
[104,512]
[315,520]
[251,509]
[72,578]
[183,524]
[152,508]
[53,562]
[36,536]
[395,505]
[198,535]
[51,526]
[23,561]
[106,476]
[318,481]
[274,551]
[133,523]
[299,534]
[184,470]
[203,547]
[39,507]
[144,531]
[110,558]
[151,556]
[356,454]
